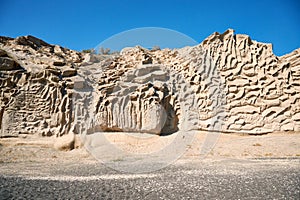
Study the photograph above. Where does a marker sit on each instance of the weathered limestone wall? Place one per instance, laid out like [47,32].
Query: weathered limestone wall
[232,84]
[227,83]
[36,87]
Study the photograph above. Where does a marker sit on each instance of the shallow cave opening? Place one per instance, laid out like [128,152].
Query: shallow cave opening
[171,123]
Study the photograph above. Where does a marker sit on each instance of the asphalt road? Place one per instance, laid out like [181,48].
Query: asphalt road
[208,179]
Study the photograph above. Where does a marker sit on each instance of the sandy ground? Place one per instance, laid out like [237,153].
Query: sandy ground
[274,145]
[238,167]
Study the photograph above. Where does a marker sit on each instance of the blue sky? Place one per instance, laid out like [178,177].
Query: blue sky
[84,24]
[147,37]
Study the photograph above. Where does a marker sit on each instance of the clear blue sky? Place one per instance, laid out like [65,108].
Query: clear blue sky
[84,24]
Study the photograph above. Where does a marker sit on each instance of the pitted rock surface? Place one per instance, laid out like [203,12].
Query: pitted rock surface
[36,87]
[227,83]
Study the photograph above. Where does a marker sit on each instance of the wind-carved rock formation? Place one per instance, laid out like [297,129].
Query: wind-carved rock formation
[262,90]
[158,92]
[227,83]
[36,81]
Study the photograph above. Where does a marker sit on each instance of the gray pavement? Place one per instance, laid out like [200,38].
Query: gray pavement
[185,179]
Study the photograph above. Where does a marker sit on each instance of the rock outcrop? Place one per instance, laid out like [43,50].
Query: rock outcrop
[227,83]
[262,90]
[36,81]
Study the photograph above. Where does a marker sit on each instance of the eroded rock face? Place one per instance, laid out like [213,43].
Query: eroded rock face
[35,91]
[262,90]
[227,83]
